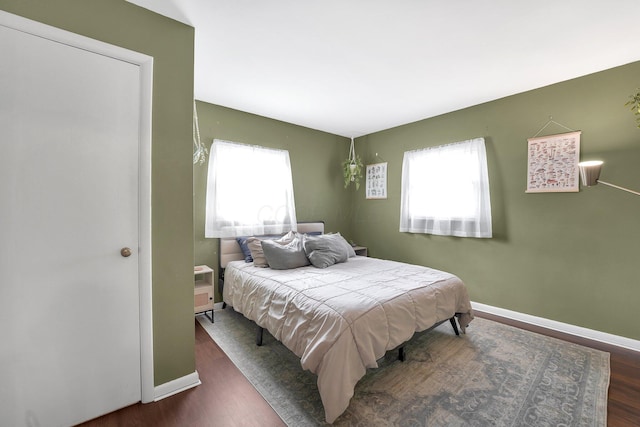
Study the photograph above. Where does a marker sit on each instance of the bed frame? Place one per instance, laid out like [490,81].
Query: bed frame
[402,356]
[230,251]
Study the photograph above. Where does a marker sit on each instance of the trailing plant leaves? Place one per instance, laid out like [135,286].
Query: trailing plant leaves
[634,105]
[357,173]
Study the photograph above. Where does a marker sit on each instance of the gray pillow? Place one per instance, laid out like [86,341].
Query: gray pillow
[284,257]
[255,246]
[327,249]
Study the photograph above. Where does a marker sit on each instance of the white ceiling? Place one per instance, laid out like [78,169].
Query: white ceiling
[354,67]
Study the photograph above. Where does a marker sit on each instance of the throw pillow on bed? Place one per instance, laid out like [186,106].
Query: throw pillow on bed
[243,242]
[327,249]
[255,246]
[284,257]
[244,246]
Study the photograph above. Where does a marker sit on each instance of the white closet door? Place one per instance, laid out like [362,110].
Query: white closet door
[69,303]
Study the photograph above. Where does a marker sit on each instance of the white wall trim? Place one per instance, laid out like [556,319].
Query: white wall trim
[566,328]
[176,386]
[145,262]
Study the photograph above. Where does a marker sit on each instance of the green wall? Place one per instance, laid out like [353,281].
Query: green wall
[171,45]
[316,165]
[569,257]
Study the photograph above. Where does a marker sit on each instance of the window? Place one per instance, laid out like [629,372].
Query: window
[445,190]
[249,191]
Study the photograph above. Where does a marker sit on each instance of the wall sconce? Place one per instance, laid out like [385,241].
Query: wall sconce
[590,174]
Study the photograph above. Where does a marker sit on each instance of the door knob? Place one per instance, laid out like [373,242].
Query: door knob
[125,252]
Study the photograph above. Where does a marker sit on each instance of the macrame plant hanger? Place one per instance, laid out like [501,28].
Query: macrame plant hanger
[352,160]
[199,150]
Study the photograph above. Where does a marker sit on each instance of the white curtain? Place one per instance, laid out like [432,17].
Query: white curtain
[445,190]
[249,191]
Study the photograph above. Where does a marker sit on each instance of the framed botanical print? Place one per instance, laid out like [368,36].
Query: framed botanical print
[553,163]
[376,181]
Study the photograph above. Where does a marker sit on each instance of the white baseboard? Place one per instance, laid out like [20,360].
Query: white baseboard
[176,386]
[566,328]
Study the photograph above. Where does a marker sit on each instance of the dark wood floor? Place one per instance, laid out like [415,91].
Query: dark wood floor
[227,399]
[224,399]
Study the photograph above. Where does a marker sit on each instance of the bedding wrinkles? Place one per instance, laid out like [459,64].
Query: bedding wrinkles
[340,320]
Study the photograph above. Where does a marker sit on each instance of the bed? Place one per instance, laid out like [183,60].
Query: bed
[343,318]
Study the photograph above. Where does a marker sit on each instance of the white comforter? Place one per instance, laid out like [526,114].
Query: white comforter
[341,319]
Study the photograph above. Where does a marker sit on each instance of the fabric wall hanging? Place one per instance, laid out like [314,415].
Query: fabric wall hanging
[553,163]
[377,181]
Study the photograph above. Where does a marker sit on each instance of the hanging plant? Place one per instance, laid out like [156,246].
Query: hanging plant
[634,105]
[352,168]
[199,150]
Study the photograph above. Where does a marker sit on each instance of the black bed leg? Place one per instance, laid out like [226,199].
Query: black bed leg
[401,356]
[453,323]
[259,336]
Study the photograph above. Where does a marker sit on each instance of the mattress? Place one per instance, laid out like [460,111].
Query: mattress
[340,320]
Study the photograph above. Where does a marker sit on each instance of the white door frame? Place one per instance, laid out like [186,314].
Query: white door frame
[145,63]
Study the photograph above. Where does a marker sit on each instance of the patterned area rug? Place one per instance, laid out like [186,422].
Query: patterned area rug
[495,375]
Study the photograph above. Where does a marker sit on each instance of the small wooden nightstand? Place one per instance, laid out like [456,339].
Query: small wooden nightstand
[361,250]
[203,290]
